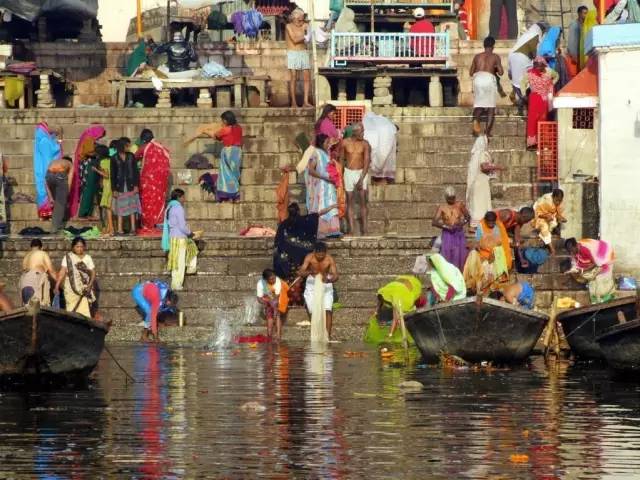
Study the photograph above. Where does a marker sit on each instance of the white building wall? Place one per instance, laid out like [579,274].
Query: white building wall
[115,15]
[620,154]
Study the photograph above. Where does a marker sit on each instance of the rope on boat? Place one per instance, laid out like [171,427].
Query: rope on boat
[120,366]
[592,317]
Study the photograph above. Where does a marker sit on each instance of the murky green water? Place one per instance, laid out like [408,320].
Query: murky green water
[318,415]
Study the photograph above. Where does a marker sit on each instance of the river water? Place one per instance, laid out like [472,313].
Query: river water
[289,411]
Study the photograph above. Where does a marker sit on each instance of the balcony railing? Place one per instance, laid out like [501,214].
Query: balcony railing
[407,4]
[432,48]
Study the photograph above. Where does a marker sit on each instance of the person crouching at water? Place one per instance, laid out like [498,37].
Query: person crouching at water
[319,262]
[152,298]
[272,293]
[520,294]
[403,295]
[34,282]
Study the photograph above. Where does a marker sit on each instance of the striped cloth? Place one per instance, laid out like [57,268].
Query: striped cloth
[176,245]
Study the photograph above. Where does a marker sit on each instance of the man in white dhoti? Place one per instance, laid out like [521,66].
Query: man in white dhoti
[319,266]
[484,68]
[479,173]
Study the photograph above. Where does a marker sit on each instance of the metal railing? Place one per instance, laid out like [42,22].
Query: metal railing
[389,48]
[448,5]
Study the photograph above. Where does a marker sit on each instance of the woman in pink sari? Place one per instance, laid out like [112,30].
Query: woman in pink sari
[325,124]
[154,181]
[592,263]
[86,148]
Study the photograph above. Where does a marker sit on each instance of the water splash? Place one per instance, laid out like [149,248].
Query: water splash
[228,323]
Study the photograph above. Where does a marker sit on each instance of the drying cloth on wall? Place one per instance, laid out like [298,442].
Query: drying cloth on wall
[13,90]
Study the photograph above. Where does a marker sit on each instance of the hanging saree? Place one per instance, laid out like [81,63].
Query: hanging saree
[45,149]
[321,195]
[85,149]
[154,183]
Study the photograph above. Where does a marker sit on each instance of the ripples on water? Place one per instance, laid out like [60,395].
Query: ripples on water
[290,411]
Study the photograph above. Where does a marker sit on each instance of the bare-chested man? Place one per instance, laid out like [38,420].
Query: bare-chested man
[356,153]
[58,182]
[37,268]
[484,68]
[319,262]
[298,56]
[5,302]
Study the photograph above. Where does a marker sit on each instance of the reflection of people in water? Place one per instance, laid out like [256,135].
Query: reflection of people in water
[151,402]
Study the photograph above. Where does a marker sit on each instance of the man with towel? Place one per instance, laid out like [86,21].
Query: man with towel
[37,268]
[320,264]
[484,68]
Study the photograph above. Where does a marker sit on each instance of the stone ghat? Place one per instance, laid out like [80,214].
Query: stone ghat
[433,152]
[229,269]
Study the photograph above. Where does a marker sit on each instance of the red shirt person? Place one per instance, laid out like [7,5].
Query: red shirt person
[422,46]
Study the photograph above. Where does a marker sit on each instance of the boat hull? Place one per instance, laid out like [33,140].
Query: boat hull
[48,342]
[620,346]
[476,331]
[581,326]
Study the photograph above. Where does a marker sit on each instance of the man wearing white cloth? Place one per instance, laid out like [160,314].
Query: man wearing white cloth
[320,266]
[484,68]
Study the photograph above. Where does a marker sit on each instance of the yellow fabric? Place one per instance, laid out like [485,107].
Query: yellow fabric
[13,90]
[402,292]
[488,242]
[71,300]
[590,21]
[175,245]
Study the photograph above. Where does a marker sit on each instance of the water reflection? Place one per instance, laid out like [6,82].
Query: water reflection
[291,411]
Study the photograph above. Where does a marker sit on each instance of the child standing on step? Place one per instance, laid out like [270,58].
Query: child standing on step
[104,170]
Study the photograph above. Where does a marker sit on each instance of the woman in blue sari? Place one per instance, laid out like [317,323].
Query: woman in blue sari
[228,184]
[46,148]
[322,194]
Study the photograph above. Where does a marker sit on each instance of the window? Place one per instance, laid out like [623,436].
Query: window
[583,118]
[347,115]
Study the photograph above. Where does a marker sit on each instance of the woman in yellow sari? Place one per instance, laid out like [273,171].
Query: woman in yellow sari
[402,295]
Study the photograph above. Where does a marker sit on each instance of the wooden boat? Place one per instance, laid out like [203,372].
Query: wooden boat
[581,326]
[39,343]
[476,331]
[620,345]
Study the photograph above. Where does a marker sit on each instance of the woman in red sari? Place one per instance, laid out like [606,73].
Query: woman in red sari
[154,181]
[540,80]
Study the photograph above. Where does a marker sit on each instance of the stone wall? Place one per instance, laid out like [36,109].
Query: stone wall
[228,272]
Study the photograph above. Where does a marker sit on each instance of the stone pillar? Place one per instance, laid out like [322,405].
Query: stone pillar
[342,90]
[223,97]
[43,34]
[204,98]
[435,92]
[382,91]
[45,99]
[164,98]
[360,90]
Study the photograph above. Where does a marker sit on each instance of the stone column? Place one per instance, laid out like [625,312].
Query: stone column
[223,97]
[204,98]
[360,90]
[43,34]
[342,90]
[45,99]
[164,99]
[435,92]
[382,91]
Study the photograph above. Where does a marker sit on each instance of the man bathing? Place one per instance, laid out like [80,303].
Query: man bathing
[319,262]
[485,67]
[357,158]
[37,268]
